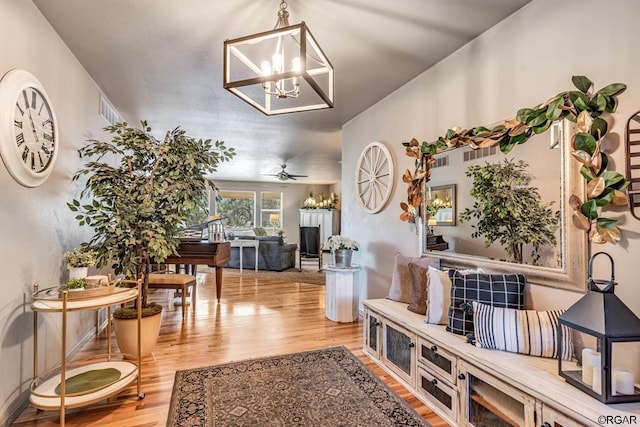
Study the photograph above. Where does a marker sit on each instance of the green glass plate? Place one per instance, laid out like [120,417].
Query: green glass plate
[90,381]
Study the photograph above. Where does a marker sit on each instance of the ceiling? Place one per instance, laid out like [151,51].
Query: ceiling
[161,60]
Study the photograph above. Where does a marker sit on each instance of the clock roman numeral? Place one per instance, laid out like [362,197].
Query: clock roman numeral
[34,100]
[41,161]
[25,154]
[26,99]
[20,139]
[17,124]
[20,109]
[48,137]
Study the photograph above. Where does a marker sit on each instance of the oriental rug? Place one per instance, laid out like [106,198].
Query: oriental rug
[327,387]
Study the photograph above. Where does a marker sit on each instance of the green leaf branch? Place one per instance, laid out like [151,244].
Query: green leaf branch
[583,107]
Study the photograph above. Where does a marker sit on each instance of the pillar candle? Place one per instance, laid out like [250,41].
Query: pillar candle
[622,382]
[589,357]
[597,380]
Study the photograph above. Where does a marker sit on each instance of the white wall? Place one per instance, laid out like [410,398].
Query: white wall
[35,224]
[521,62]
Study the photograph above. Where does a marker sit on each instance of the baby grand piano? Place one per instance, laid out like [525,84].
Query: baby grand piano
[191,252]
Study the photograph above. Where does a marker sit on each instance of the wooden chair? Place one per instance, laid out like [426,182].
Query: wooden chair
[176,281]
[310,245]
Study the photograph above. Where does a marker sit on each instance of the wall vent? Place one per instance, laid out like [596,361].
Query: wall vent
[107,111]
[440,162]
[479,153]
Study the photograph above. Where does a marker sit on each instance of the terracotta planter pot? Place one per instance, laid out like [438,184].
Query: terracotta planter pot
[127,335]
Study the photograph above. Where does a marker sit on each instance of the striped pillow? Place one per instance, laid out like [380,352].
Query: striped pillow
[520,331]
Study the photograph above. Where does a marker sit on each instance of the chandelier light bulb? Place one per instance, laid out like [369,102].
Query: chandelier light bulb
[277,62]
[265,66]
[296,65]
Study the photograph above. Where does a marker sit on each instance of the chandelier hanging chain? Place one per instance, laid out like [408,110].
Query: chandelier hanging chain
[278,87]
[283,21]
[283,16]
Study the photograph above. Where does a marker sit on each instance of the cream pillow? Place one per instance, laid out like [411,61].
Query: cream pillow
[439,294]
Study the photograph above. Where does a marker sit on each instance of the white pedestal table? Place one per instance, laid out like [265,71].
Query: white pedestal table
[341,293]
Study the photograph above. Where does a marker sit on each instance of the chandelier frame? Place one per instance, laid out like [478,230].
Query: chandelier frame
[309,52]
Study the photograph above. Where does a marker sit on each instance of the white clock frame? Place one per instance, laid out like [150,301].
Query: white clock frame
[12,85]
[374,177]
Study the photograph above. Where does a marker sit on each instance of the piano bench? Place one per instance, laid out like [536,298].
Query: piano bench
[176,281]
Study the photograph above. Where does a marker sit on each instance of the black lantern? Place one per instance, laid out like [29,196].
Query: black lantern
[607,332]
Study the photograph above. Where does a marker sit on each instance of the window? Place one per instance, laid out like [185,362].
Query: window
[271,210]
[238,207]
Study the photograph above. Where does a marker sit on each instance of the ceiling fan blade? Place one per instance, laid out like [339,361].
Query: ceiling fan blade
[283,175]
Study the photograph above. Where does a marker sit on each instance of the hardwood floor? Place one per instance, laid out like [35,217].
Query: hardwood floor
[255,318]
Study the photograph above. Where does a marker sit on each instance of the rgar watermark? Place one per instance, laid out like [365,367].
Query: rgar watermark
[618,420]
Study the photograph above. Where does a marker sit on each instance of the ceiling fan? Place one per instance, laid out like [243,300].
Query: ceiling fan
[283,175]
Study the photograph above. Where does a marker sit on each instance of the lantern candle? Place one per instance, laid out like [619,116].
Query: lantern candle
[590,359]
[622,381]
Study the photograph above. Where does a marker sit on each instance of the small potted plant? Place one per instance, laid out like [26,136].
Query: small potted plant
[78,262]
[74,284]
[342,249]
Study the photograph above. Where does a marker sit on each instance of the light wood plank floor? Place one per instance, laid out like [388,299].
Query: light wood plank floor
[255,318]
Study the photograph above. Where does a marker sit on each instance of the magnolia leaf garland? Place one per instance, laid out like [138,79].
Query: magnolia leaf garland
[583,107]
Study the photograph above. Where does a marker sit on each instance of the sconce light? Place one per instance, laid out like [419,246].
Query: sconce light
[608,331]
[279,71]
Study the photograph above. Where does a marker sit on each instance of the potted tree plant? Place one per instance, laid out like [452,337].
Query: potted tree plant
[138,194]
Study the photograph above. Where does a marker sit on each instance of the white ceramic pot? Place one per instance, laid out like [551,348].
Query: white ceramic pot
[78,272]
[127,335]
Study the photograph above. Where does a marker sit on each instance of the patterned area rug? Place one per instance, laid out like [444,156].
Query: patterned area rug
[327,387]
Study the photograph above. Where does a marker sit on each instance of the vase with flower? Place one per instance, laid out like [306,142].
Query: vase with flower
[342,250]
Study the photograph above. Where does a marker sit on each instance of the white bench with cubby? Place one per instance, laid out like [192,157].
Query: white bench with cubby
[473,386]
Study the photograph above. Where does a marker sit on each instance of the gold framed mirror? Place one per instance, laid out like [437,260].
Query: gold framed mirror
[548,158]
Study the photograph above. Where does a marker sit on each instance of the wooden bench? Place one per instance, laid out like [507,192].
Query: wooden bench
[176,281]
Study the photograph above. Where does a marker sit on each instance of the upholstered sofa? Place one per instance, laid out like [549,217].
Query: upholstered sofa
[273,254]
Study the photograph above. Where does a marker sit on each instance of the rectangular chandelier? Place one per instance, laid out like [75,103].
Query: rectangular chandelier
[283,70]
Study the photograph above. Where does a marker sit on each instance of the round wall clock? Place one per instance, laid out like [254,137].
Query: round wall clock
[374,177]
[28,128]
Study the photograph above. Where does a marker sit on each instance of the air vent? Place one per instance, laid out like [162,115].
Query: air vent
[107,111]
[479,153]
[440,162]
